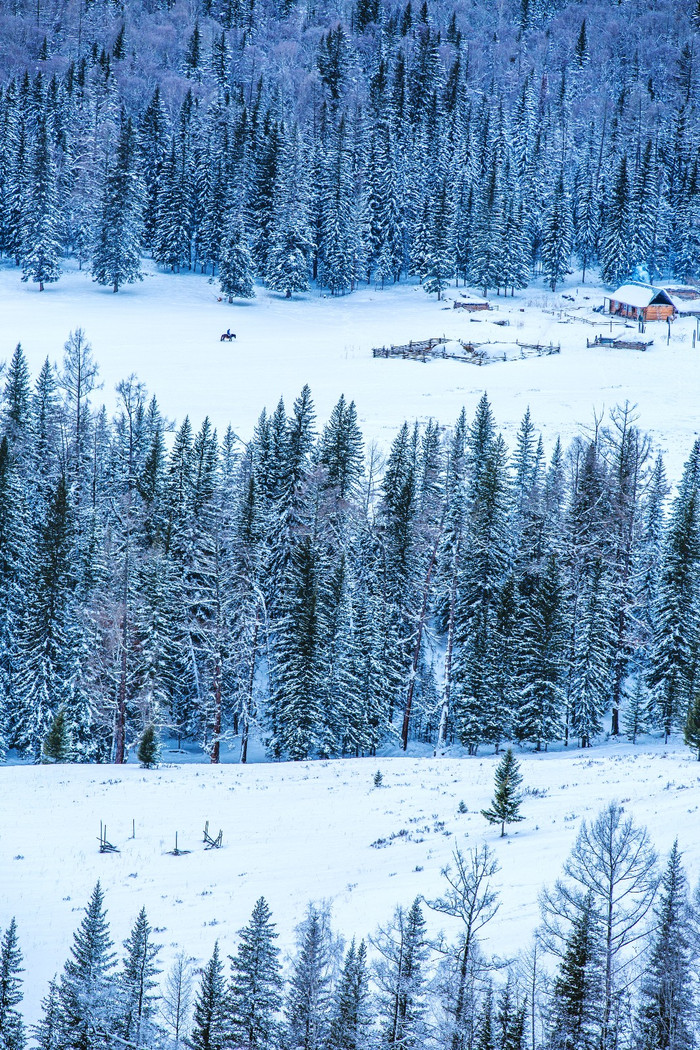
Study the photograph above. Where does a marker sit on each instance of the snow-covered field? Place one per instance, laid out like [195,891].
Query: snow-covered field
[296,832]
[166,331]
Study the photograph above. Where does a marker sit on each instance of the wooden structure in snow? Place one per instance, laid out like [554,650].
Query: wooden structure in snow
[620,342]
[471,353]
[640,302]
[471,303]
[686,299]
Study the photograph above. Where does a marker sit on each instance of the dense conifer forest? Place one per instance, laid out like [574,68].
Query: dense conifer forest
[327,597]
[291,142]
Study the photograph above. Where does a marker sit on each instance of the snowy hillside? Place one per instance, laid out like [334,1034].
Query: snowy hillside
[297,832]
[166,331]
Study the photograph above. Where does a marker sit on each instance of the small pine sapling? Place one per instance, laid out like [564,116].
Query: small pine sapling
[56,746]
[378,779]
[692,724]
[148,751]
[506,798]
[635,719]
[461,808]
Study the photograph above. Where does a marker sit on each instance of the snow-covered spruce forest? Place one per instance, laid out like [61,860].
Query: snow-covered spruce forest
[348,142]
[324,599]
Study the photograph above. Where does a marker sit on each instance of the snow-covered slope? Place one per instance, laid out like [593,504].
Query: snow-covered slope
[166,331]
[301,832]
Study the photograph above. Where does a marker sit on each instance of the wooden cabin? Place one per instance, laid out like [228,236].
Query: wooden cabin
[641,302]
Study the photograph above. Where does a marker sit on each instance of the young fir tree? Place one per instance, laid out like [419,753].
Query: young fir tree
[57,744]
[148,751]
[12,1035]
[308,998]
[209,1025]
[86,991]
[350,1024]
[401,976]
[635,717]
[576,995]
[46,1033]
[117,254]
[41,245]
[506,801]
[255,986]
[667,1009]
[137,984]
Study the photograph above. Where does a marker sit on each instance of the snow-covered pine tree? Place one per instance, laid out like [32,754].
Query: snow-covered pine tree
[12,1035]
[674,646]
[351,1019]
[46,1032]
[539,661]
[308,998]
[667,1006]
[340,247]
[287,267]
[41,241]
[236,266]
[209,1024]
[135,1020]
[295,711]
[172,244]
[39,687]
[485,564]
[255,987]
[87,986]
[587,225]
[590,664]
[691,733]
[507,799]
[401,977]
[439,258]
[576,995]
[616,237]
[557,234]
[116,258]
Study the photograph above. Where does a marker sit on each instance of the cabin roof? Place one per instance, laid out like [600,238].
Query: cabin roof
[641,295]
[685,299]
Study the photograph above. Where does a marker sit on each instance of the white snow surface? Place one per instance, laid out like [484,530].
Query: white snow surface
[166,331]
[301,832]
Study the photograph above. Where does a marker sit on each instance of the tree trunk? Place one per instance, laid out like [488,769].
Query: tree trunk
[216,735]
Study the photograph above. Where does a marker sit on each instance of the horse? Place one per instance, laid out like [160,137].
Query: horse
[227,337]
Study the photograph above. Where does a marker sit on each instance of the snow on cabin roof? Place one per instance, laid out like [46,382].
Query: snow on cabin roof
[686,299]
[640,295]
